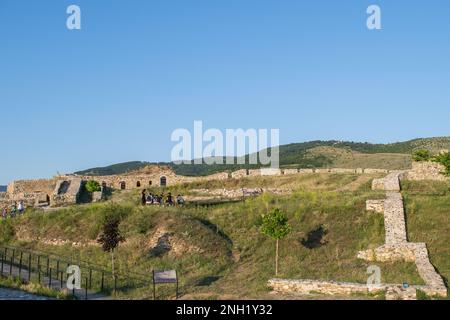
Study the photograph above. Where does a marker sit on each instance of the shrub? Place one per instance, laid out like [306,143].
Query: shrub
[93,186]
[6,231]
[422,155]
[444,159]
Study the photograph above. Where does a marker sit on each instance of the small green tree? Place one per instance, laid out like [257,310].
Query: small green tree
[444,159]
[275,225]
[421,155]
[93,186]
[111,237]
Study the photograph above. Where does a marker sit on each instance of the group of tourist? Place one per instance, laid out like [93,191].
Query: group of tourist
[12,211]
[154,199]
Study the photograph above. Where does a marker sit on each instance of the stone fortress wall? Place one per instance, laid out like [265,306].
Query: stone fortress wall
[48,191]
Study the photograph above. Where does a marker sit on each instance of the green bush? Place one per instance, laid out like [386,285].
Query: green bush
[93,186]
[6,231]
[444,159]
[422,155]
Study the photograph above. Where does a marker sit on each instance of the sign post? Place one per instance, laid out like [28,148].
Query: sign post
[163,277]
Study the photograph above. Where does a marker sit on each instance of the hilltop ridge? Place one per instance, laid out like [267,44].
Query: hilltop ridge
[311,154]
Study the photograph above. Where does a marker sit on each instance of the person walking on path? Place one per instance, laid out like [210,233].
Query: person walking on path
[20,207]
[13,210]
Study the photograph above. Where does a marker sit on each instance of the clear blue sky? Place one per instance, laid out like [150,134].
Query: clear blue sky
[115,90]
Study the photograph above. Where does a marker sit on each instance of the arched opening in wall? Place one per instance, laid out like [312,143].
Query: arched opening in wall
[163,181]
[104,185]
[123,185]
[138,184]
[150,183]
[247,172]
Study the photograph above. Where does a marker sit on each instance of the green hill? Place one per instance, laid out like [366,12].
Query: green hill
[219,250]
[312,154]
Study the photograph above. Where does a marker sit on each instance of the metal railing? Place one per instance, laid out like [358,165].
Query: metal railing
[50,270]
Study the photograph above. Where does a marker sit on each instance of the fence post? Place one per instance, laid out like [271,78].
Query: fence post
[154,285]
[11,265]
[48,264]
[50,278]
[86,289]
[90,278]
[1,271]
[176,275]
[39,268]
[62,279]
[20,265]
[103,281]
[29,267]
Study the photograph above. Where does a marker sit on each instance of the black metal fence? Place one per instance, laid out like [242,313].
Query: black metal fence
[51,270]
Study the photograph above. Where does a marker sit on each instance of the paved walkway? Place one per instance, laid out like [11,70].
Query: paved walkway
[12,294]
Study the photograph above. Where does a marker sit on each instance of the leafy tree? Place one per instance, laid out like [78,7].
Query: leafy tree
[275,225]
[111,237]
[93,186]
[421,155]
[444,159]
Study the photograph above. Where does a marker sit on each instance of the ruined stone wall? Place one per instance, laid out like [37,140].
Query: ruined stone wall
[305,171]
[339,170]
[32,186]
[375,170]
[66,192]
[239,174]
[393,291]
[426,171]
[270,172]
[389,183]
[397,247]
[324,287]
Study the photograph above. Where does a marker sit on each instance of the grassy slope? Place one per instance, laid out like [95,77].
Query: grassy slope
[235,259]
[344,158]
[428,218]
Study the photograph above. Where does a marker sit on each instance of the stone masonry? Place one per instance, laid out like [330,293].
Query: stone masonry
[396,248]
[66,192]
[426,171]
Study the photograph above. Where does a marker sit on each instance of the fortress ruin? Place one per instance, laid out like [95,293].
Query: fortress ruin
[66,189]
